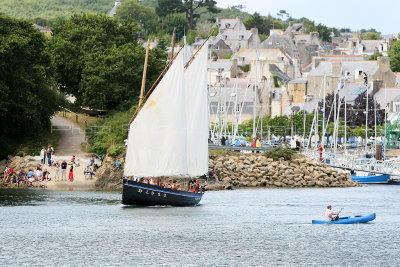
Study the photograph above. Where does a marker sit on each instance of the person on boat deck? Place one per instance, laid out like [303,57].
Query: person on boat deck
[191,183]
[329,214]
[196,187]
[174,185]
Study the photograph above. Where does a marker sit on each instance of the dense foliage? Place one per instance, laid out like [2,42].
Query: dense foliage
[99,61]
[394,55]
[109,133]
[280,152]
[26,98]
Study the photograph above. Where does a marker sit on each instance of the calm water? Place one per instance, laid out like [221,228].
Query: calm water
[230,228]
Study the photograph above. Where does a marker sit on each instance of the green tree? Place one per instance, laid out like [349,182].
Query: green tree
[26,98]
[177,21]
[375,56]
[166,7]
[145,17]
[371,36]
[394,55]
[100,62]
[112,80]
[80,35]
[195,8]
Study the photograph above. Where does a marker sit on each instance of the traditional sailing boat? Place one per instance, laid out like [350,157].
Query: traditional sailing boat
[169,136]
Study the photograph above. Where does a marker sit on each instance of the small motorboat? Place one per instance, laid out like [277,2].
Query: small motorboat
[349,219]
[371,179]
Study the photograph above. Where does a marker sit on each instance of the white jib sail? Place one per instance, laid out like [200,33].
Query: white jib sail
[157,137]
[197,114]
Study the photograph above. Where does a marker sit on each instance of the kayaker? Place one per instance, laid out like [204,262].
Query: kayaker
[329,214]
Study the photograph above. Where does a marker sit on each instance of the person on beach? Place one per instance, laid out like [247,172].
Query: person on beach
[43,155]
[38,172]
[329,214]
[73,159]
[6,176]
[49,151]
[56,171]
[64,170]
[53,158]
[71,173]
[31,177]
[87,172]
[44,175]
[21,176]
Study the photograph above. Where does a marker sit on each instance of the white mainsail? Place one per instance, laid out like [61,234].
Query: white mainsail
[157,137]
[195,83]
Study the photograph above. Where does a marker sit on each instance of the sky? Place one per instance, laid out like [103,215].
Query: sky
[382,15]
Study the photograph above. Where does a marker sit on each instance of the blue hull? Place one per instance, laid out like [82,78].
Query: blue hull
[371,179]
[349,220]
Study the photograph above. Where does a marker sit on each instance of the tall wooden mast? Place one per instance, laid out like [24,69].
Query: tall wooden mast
[141,97]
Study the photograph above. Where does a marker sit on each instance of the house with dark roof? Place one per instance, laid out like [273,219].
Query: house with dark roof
[389,98]
[237,39]
[223,68]
[230,24]
[350,72]
[294,28]
[217,46]
[301,46]
[369,47]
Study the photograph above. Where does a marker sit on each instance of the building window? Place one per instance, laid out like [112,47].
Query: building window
[227,25]
[277,43]
[397,107]
[238,107]
[241,37]
[225,37]
[221,107]
[216,47]
[242,58]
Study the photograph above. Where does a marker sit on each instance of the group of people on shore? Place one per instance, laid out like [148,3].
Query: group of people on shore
[49,168]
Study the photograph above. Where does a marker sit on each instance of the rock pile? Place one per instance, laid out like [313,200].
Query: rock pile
[235,171]
[18,162]
[108,176]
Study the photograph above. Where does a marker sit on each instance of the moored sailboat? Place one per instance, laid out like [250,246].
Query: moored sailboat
[168,137]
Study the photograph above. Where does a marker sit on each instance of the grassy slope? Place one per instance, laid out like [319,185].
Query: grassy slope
[50,9]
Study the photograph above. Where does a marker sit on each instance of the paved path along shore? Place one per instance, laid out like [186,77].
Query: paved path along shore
[71,137]
[70,144]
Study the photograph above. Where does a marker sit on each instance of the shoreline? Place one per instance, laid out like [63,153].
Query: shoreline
[231,171]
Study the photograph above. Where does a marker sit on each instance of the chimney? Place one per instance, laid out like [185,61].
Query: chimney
[384,63]
[314,35]
[291,23]
[254,31]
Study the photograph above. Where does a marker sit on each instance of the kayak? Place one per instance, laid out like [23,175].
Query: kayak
[349,219]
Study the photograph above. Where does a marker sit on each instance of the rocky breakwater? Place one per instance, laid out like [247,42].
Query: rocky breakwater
[17,163]
[238,171]
[108,175]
